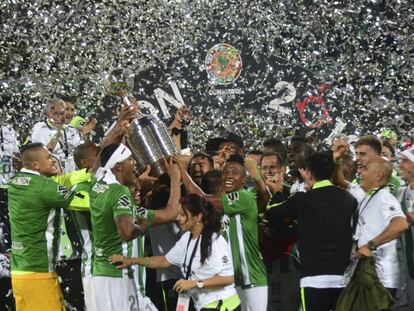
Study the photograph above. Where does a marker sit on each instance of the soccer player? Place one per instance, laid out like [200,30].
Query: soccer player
[34,206]
[240,224]
[114,228]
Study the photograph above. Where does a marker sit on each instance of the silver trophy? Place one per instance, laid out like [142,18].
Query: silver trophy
[149,139]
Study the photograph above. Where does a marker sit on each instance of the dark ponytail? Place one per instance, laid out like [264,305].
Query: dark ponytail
[196,205]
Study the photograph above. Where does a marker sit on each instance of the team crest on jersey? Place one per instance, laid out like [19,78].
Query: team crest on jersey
[124,202]
[17,245]
[100,188]
[99,251]
[233,197]
[21,181]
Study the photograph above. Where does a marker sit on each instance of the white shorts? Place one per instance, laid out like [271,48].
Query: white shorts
[110,294]
[87,292]
[145,304]
[253,299]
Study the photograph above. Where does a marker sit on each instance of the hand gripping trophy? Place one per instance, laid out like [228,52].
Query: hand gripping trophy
[149,139]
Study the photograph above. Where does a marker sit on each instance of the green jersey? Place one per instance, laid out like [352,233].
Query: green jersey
[240,222]
[80,212]
[109,201]
[34,208]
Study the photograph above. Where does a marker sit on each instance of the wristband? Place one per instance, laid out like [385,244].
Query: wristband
[147,262]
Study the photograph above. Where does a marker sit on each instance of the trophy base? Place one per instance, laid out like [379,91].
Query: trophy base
[158,168]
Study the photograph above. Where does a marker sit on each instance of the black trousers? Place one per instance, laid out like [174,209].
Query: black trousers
[320,299]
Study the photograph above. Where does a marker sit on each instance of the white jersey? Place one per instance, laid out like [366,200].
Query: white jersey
[357,192]
[375,213]
[8,146]
[42,132]
[407,194]
[219,263]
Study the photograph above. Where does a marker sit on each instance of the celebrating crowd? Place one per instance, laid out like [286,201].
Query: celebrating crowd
[288,227]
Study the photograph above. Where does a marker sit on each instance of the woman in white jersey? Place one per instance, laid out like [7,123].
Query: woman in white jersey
[203,256]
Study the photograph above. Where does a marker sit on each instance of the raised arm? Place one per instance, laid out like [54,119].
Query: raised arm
[263,195]
[192,187]
[169,214]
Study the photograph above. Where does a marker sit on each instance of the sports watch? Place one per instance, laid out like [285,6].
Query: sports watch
[372,246]
[200,284]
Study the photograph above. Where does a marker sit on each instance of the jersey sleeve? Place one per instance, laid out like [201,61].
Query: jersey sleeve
[356,190]
[176,254]
[122,202]
[55,195]
[390,211]
[238,202]
[64,179]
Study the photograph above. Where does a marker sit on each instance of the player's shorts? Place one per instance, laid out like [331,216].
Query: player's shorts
[37,292]
[111,293]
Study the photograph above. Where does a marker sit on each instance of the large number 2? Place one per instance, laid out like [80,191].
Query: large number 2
[133,301]
[289,94]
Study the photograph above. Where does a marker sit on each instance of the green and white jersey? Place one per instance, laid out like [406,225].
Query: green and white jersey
[34,208]
[80,211]
[240,222]
[139,271]
[109,201]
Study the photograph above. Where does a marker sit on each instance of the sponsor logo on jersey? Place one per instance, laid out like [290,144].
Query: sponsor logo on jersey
[17,245]
[233,197]
[124,202]
[225,259]
[100,188]
[225,223]
[62,190]
[21,181]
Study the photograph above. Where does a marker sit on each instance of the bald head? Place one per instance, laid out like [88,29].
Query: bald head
[375,174]
[383,167]
[37,158]
[31,153]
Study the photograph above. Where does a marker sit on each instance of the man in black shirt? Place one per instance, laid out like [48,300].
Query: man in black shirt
[324,232]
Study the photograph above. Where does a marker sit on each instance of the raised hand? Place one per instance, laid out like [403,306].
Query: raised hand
[182,161]
[145,180]
[339,147]
[173,169]
[251,167]
[275,183]
[88,127]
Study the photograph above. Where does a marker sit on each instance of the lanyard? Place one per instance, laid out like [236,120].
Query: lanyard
[369,200]
[406,199]
[190,262]
[1,138]
[65,147]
